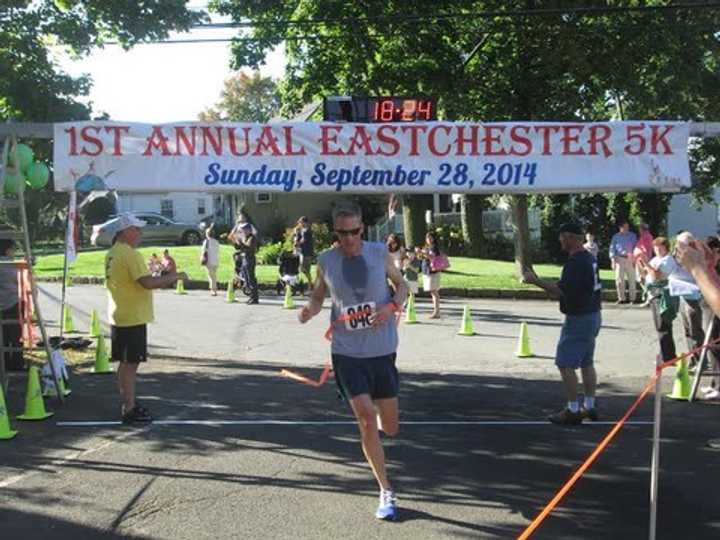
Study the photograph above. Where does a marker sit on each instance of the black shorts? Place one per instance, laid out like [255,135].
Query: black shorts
[129,343]
[377,376]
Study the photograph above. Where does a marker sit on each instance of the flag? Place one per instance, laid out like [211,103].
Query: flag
[72,235]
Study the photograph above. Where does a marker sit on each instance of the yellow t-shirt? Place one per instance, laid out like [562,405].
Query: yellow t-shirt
[129,303]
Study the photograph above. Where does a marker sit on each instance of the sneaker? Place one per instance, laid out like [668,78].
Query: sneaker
[566,418]
[387,509]
[590,414]
[137,415]
[253,301]
[714,444]
[713,394]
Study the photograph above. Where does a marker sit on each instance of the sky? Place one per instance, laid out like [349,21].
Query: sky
[161,82]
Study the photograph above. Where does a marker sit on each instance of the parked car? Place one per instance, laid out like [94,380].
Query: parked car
[158,230]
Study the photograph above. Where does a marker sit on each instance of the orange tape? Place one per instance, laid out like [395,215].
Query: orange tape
[328,335]
[306,380]
[604,443]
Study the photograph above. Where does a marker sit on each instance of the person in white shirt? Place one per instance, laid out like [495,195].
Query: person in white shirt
[210,258]
[590,245]
[656,273]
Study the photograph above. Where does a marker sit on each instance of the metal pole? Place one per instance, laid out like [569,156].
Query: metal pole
[64,276]
[3,165]
[655,466]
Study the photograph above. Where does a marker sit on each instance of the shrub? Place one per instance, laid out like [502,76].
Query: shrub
[498,247]
[270,253]
[450,239]
[321,237]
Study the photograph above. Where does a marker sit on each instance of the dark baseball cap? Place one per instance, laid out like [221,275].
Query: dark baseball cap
[570,227]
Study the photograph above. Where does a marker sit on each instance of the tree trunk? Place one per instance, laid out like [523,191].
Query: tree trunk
[414,207]
[471,207]
[522,232]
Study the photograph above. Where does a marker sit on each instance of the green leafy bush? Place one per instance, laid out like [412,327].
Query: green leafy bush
[270,253]
[321,237]
[450,239]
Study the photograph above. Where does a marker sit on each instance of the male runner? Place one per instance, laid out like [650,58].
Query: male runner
[364,336]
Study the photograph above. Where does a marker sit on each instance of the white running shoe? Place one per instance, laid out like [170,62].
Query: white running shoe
[387,509]
[713,394]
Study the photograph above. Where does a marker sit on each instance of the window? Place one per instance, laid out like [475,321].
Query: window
[263,197]
[166,208]
[201,207]
[150,220]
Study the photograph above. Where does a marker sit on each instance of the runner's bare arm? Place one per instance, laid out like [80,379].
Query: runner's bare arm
[399,283]
[317,297]
[386,312]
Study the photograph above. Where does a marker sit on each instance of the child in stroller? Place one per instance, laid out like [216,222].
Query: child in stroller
[289,270]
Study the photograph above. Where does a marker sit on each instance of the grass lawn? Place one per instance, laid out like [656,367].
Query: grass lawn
[464,273]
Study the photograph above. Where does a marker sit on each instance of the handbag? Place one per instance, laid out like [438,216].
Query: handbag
[439,263]
[204,258]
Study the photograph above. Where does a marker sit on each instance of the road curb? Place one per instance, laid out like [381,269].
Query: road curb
[505,294]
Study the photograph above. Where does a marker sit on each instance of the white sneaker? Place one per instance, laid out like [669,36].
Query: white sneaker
[713,394]
[387,509]
[707,389]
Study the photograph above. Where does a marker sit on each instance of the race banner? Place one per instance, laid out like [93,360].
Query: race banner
[423,157]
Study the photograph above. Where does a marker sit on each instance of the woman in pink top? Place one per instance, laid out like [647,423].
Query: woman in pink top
[643,249]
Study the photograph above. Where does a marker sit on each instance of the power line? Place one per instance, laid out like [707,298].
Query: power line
[597,11]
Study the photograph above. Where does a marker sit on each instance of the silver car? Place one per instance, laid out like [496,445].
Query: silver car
[159,230]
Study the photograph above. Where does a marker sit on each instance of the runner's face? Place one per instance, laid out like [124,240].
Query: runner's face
[349,230]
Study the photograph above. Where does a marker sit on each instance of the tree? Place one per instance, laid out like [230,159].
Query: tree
[32,89]
[245,98]
[532,61]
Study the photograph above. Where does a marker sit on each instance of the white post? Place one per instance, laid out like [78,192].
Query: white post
[655,466]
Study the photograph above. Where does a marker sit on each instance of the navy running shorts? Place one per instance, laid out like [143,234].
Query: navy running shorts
[376,376]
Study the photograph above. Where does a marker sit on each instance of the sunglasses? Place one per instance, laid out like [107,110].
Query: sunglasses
[348,232]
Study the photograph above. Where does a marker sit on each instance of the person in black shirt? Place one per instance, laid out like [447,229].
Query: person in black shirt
[305,247]
[579,291]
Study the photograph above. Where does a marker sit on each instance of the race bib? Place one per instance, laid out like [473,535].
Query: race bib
[358,317]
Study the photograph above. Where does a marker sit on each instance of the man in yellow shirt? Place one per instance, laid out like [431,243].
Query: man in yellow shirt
[130,308]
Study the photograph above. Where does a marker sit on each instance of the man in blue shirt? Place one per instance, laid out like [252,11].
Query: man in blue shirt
[621,255]
[579,292]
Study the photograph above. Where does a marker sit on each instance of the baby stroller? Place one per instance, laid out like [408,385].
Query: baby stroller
[240,280]
[289,270]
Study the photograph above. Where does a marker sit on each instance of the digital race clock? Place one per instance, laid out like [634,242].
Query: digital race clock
[379,109]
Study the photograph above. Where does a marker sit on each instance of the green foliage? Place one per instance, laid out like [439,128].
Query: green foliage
[498,247]
[270,253]
[245,98]
[98,211]
[450,239]
[322,237]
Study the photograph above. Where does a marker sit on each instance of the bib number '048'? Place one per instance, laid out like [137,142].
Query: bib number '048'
[359,317]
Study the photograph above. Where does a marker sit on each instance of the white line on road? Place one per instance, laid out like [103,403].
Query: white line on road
[336,423]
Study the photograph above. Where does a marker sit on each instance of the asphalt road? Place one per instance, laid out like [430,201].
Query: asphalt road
[245,453]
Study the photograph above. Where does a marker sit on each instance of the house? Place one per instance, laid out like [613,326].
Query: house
[178,206]
[684,215]
[272,213]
